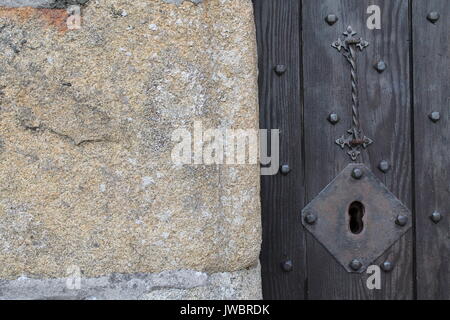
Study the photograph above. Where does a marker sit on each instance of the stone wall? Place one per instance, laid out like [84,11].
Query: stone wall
[87,181]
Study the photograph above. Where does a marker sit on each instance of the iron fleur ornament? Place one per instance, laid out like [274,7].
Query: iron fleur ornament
[354,139]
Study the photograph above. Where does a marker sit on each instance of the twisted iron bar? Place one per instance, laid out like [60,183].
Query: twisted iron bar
[355,107]
[348,48]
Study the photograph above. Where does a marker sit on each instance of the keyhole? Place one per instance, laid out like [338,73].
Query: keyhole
[356,213]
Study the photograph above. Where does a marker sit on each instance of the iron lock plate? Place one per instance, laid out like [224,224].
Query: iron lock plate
[356,218]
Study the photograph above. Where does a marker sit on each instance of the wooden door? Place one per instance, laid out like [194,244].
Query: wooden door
[403,79]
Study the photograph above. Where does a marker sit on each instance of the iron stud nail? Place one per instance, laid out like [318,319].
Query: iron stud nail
[285,169]
[310,218]
[280,69]
[355,264]
[387,266]
[436,217]
[401,220]
[433,16]
[333,118]
[380,66]
[287,265]
[384,166]
[331,19]
[357,173]
[434,116]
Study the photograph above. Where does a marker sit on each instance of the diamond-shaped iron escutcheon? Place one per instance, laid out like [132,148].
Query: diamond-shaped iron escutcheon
[335,226]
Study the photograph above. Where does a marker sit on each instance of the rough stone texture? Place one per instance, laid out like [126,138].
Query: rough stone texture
[24,3]
[86,120]
[178,2]
[245,284]
[182,284]
[41,3]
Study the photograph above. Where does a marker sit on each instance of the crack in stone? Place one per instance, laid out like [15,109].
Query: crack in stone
[81,141]
[41,127]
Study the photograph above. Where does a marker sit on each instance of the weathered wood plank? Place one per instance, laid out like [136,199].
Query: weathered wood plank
[278,32]
[431,63]
[385,117]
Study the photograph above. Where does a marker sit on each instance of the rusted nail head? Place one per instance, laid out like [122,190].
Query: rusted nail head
[331,19]
[401,220]
[310,218]
[280,69]
[433,16]
[355,264]
[357,173]
[436,217]
[285,169]
[435,116]
[333,118]
[384,166]
[380,66]
[287,265]
[387,266]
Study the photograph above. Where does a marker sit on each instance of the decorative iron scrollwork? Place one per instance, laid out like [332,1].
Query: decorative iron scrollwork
[354,139]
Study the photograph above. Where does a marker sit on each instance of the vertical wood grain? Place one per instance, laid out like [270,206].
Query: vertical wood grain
[278,35]
[431,65]
[386,117]
[385,113]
